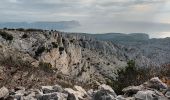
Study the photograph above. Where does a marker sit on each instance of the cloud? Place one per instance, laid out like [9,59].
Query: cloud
[110,15]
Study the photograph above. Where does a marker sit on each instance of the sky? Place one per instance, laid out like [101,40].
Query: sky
[95,16]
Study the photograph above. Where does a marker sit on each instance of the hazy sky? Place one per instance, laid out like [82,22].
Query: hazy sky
[95,16]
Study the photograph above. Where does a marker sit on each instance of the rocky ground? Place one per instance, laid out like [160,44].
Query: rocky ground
[154,89]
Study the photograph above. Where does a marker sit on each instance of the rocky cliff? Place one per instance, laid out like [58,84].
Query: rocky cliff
[32,58]
[81,59]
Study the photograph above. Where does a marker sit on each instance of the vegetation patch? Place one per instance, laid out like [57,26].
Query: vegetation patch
[39,51]
[6,36]
[33,30]
[72,40]
[24,36]
[55,44]
[15,62]
[20,29]
[47,67]
[130,76]
[61,49]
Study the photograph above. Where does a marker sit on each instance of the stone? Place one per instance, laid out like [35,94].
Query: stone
[19,88]
[53,96]
[146,95]
[51,89]
[104,92]
[58,88]
[4,92]
[47,89]
[167,94]
[72,95]
[102,95]
[20,92]
[155,83]
[130,90]
[108,89]
[80,89]
[78,94]
[90,92]
[120,97]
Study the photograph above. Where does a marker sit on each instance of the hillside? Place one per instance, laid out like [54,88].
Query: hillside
[136,45]
[32,58]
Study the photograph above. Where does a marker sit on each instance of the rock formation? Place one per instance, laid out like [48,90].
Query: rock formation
[35,58]
[104,92]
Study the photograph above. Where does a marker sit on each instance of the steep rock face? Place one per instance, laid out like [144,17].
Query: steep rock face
[136,46]
[122,50]
[79,58]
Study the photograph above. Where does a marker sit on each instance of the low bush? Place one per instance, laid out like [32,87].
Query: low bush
[6,36]
[39,51]
[16,62]
[55,44]
[130,76]
[45,66]
[33,30]
[25,36]
[20,29]
[61,49]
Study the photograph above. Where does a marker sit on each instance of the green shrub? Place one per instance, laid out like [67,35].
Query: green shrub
[33,30]
[61,49]
[128,76]
[15,62]
[6,36]
[5,28]
[39,51]
[72,40]
[11,29]
[45,66]
[55,44]
[20,29]
[25,36]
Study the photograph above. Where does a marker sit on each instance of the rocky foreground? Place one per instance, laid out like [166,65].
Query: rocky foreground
[154,89]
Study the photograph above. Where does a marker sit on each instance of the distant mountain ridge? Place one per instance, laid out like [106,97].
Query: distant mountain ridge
[122,37]
[42,25]
[117,37]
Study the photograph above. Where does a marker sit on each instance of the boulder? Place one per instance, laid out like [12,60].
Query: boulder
[104,92]
[78,94]
[30,96]
[19,88]
[147,95]
[51,89]
[73,95]
[47,89]
[58,88]
[80,89]
[90,92]
[107,89]
[120,97]
[155,83]
[167,94]
[4,92]
[53,96]
[130,90]
[20,92]
[102,95]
